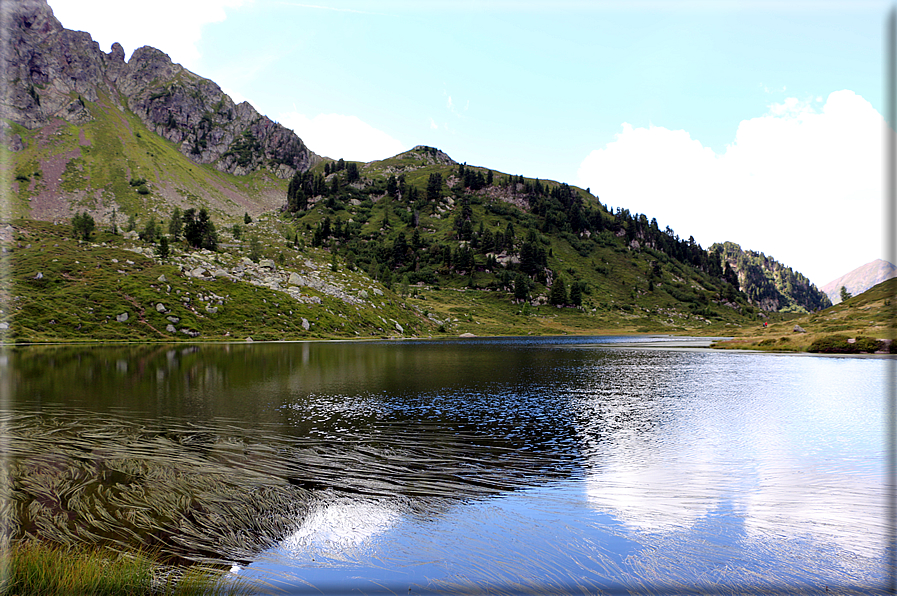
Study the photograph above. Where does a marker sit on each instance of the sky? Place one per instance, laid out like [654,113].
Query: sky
[758,122]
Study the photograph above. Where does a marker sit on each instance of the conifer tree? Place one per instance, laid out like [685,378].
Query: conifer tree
[558,293]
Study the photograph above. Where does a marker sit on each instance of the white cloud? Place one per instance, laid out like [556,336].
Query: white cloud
[433,124]
[336,135]
[802,184]
[173,26]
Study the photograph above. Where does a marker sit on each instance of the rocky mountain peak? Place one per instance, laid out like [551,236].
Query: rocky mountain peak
[50,72]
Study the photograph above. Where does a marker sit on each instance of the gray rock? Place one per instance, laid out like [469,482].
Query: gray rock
[198,272]
[305,324]
[39,275]
[52,72]
[122,317]
[399,328]
[170,328]
[211,309]
[174,319]
[296,280]
[4,326]
[163,279]
[267,263]
[160,307]
[799,329]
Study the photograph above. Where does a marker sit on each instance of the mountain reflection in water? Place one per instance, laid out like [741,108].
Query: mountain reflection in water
[551,464]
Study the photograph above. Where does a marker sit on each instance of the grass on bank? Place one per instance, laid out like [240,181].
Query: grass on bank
[865,318]
[31,567]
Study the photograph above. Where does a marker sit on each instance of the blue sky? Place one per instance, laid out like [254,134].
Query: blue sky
[755,122]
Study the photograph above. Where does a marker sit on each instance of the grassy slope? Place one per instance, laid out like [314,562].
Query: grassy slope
[80,293]
[871,314]
[97,161]
[82,290]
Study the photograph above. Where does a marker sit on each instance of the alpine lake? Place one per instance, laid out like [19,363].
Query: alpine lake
[560,465]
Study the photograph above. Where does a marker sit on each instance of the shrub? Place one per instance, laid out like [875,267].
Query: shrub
[837,344]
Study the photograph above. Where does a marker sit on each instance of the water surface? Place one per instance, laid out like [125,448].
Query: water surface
[563,465]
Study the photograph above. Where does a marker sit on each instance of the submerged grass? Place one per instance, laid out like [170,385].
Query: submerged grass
[32,567]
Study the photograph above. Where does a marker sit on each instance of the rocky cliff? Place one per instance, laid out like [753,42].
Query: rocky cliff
[49,72]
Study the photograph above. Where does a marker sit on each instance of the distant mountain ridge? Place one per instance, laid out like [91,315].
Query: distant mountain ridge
[860,279]
[50,72]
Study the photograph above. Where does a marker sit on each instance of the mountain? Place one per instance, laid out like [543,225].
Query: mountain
[860,279]
[414,244]
[769,284]
[85,124]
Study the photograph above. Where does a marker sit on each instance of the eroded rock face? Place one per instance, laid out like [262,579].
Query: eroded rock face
[49,72]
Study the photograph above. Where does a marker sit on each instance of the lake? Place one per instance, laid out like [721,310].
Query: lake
[574,465]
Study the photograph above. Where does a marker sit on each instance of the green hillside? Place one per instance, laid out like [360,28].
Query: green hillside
[853,326]
[413,246]
[115,163]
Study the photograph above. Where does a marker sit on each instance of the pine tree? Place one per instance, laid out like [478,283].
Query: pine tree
[83,225]
[576,294]
[558,293]
[176,224]
[162,249]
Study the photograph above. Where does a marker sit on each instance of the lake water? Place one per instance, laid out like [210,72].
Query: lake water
[550,465]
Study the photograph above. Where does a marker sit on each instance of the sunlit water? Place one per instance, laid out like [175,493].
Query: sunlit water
[507,466]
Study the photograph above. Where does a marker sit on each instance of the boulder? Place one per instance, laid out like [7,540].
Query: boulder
[160,307]
[174,319]
[296,279]
[305,324]
[122,317]
[163,279]
[399,328]
[799,329]
[170,328]
[267,264]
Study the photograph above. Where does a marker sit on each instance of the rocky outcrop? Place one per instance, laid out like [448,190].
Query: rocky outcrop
[768,284]
[50,72]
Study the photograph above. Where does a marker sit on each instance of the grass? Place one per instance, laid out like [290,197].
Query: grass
[84,287]
[31,567]
[871,314]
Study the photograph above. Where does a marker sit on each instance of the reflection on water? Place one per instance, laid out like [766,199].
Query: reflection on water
[507,465]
